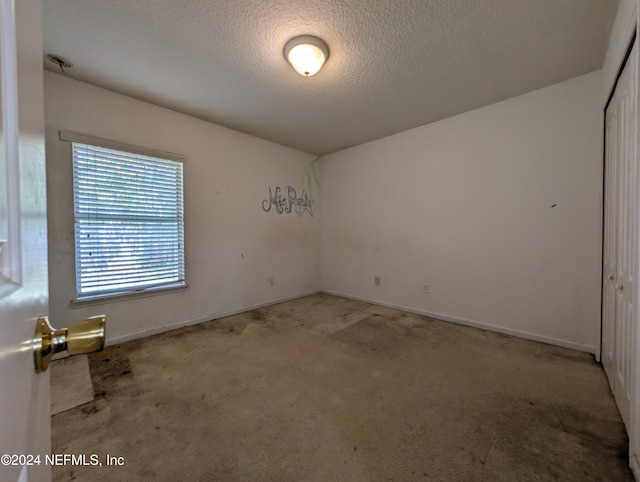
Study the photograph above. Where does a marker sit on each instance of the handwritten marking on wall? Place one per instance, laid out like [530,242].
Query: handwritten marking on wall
[286,200]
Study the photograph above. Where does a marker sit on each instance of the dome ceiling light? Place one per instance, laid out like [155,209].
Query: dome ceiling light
[306,54]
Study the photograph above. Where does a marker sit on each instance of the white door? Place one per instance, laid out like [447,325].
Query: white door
[24,396]
[610,244]
[619,241]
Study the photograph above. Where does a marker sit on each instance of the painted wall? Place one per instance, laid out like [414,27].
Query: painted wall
[497,210]
[232,245]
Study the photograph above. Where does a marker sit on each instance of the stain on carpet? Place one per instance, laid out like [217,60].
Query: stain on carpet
[109,368]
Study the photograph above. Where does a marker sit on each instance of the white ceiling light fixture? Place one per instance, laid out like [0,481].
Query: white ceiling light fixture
[306,54]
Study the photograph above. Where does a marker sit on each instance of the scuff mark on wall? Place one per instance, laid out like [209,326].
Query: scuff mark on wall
[288,235]
[310,176]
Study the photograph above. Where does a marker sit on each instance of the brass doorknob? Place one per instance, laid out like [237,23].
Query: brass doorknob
[81,337]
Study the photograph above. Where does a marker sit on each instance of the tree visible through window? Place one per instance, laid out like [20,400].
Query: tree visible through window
[129,227]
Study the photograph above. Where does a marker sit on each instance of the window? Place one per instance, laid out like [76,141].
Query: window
[129,226]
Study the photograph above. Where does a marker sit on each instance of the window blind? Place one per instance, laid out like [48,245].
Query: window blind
[129,222]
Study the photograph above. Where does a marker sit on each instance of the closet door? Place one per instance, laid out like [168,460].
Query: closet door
[610,243]
[619,240]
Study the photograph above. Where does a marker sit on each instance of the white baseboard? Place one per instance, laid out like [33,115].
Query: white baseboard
[473,323]
[439,316]
[214,316]
[635,467]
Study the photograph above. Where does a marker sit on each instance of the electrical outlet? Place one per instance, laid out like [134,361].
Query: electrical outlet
[272,280]
[426,289]
[376,281]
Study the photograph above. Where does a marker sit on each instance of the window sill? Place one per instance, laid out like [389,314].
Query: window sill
[127,295]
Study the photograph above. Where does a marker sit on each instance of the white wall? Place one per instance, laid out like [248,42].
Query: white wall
[497,210]
[232,245]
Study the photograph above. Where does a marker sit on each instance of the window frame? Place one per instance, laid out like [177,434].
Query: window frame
[98,297]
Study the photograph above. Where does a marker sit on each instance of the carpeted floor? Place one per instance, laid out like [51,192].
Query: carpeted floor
[328,389]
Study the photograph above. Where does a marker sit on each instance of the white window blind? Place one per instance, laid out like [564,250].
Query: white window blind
[129,226]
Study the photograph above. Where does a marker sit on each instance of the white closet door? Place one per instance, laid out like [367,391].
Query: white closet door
[620,242]
[609,252]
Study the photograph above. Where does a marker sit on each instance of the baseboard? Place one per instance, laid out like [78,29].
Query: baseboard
[635,467]
[472,323]
[214,316]
[439,316]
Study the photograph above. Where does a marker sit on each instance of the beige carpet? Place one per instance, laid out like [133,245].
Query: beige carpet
[328,389]
[70,383]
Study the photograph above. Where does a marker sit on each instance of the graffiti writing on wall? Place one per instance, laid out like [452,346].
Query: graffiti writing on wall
[286,200]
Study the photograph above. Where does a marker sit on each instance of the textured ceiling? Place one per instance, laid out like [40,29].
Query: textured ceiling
[393,65]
